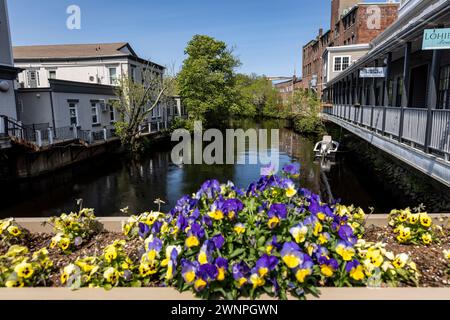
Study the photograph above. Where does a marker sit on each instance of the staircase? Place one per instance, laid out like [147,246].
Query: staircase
[5,142]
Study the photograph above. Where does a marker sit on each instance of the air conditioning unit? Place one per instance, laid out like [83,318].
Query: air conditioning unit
[103,106]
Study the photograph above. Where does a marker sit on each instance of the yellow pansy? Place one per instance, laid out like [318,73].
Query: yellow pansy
[374,256]
[326,270]
[192,241]
[64,243]
[425,219]
[146,270]
[24,270]
[67,271]
[400,260]
[110,253]
[189,277]
[291,191]
[426,238]
[216,214]
[345,252]
[257,281]
[273,222]
[202,257]
[357,273]
[321,216]
[220,274]
[111,275]
[14,231]
[200,284]
[239,228]
[301,274]
[14,284]
[413,218]
[317,228]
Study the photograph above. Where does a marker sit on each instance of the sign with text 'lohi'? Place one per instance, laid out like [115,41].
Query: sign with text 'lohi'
[434,39]
[372,72]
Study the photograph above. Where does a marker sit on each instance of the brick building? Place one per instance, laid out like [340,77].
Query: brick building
[352,22]
[286,88]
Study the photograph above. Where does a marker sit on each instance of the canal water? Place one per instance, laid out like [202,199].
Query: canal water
[110,184]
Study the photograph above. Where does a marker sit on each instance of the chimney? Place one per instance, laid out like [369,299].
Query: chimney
[320,32]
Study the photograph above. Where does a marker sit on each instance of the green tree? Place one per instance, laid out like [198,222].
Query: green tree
[305,106]
[207,80]
[256,96]
[137,100]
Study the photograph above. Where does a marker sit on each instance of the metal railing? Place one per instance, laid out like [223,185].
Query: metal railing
[42,134]
[411,130]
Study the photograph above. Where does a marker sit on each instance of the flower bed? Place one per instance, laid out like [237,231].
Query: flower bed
[272,239]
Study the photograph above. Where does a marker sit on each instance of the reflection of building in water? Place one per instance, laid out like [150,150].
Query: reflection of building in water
[301,149]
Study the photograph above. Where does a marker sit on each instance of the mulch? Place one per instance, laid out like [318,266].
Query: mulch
[429,259]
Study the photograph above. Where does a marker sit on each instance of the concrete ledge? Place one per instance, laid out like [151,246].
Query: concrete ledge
[114,224]
[172,294]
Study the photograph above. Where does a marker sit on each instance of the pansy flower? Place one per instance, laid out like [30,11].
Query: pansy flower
[154,246]
[292,170]
[231,207]
[290,189]
[189,270]
[328,266]
[299,232]
[276,213]
[205,256]
[241,273]
[218,241]
[291,255]
[239,228]
[222,267]
[265,264]
[345,251]
[345,232]
[205,274]
[272,244]
[355,269]
[304,270]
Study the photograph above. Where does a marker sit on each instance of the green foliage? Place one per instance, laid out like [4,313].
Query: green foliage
[12,233]
[207,80]
[256,97]
[19,268]
[305,106]
[73,229]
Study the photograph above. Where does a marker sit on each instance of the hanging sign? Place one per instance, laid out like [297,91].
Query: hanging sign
[434,39]
[372,72]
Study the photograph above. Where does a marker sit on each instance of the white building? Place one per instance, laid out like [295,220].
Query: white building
[7,71]
[338,59]
[89,63]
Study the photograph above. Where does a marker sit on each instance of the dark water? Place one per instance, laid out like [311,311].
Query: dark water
[114,183]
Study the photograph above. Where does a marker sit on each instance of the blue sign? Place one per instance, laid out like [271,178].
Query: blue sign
[436,39]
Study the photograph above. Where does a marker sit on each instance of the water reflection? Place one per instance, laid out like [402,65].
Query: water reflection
[110,184]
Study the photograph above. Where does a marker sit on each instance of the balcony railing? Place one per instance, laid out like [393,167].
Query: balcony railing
[428,130]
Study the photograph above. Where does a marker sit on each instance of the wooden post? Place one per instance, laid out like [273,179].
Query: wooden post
[405,94]
[432,95]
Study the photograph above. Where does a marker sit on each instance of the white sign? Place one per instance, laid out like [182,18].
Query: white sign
[372,72]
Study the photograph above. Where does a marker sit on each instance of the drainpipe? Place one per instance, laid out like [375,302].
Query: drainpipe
[53,111]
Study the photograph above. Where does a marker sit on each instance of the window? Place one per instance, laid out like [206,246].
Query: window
[94,112]
[112,114]
[444,88]
[341,63]
[33,78]
[52,74]
[112,75]
[133,72]
[73,113]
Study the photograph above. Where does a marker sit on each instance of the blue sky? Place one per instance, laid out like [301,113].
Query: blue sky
[267,34]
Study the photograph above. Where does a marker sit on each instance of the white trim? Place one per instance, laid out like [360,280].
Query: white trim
[95,104]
